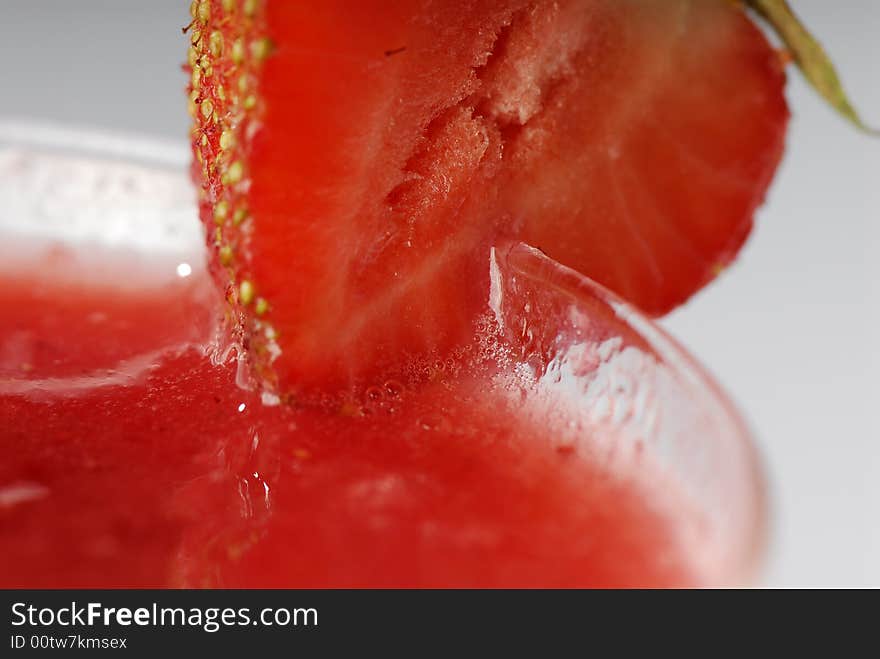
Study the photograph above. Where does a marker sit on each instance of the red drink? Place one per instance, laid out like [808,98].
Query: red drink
[570,445]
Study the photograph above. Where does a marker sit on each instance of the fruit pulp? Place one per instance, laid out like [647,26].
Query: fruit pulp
[133,457]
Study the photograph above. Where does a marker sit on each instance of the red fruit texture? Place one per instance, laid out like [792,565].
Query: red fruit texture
[357,161]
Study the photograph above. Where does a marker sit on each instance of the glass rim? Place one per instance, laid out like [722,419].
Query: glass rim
[91,141]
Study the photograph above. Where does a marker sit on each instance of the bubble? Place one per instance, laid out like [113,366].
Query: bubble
[374,395]
[431,421]
[393,389]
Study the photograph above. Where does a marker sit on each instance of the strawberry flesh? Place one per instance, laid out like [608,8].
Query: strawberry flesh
[382,148]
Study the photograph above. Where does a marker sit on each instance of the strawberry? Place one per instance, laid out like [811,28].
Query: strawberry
[357,160]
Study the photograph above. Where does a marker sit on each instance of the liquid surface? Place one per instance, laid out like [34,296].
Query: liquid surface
[133,457]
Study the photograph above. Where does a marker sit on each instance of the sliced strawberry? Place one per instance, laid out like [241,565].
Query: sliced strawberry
[358,158]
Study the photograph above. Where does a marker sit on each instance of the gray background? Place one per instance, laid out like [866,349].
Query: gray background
[790,330]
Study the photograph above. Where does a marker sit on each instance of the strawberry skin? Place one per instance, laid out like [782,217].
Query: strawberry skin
[358,159]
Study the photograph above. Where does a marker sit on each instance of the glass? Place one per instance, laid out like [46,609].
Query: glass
[627,381]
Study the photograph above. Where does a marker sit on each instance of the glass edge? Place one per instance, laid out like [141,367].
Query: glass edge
[58,137]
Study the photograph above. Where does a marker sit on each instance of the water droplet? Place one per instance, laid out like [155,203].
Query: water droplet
[243,373]
[251,488]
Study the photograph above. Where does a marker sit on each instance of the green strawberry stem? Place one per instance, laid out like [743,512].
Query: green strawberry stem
[810,57]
